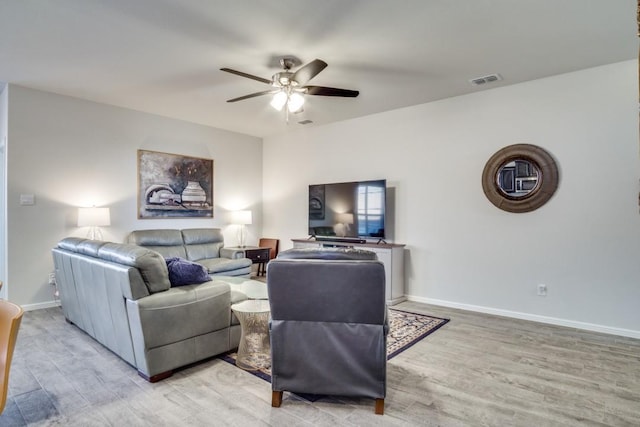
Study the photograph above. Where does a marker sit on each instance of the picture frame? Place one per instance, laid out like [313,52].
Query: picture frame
[174,186]
[507,179]
[316,201]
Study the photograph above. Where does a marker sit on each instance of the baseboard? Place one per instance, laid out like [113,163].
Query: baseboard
[532,317]
[40,305]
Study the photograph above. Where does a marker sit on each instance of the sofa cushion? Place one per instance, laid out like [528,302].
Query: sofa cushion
[203,251]
[198,236]
[155,237]
[334,254]
[184,272]
[81,246]
[218,265]
[201,243]
[151,264]
[167,243]
[89,247]
[70,243]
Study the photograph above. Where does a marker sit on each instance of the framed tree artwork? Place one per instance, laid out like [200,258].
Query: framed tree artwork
[174,186]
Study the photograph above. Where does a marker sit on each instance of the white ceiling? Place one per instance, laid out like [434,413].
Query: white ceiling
[164,56]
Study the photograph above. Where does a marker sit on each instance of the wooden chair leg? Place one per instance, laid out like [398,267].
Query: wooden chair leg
[157,377]
[379,406]
[276,399]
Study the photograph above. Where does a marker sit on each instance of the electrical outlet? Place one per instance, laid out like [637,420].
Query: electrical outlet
[542,290]
[52,278]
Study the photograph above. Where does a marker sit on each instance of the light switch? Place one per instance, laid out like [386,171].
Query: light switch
[27,200]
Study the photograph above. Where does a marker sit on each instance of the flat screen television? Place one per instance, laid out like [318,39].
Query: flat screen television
[348,210]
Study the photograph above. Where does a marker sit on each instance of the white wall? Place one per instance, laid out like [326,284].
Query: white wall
[70,152]
[461,250]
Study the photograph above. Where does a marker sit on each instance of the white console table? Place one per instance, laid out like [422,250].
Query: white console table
[390,254]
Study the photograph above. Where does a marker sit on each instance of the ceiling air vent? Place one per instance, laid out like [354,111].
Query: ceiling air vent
[305,122]
[478,81]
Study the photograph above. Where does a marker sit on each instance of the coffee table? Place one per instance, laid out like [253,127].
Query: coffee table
[254,350]
[253,289]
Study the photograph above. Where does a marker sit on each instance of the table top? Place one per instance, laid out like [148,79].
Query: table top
[251,306]
[253,289]
[244,248]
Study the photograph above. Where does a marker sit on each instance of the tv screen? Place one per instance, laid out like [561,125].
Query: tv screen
[348,210]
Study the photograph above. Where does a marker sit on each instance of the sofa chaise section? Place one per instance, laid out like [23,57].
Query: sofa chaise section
[202,245]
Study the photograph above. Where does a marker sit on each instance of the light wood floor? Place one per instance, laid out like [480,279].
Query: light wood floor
[476,370]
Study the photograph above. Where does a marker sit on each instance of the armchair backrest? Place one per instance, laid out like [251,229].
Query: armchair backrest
[328,323]
[327,286]
[272,244]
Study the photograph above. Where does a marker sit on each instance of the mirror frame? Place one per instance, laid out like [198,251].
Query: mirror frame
[548,178]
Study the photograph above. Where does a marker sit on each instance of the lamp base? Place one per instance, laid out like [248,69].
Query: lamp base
[241,237]
[94,234]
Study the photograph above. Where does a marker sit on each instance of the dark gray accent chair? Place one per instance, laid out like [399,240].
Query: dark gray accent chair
[328,324]
[202,245]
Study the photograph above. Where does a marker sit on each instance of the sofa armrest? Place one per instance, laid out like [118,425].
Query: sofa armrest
[183,312]
[231,253]
[179,314]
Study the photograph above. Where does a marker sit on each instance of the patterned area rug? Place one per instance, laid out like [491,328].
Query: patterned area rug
[406,329]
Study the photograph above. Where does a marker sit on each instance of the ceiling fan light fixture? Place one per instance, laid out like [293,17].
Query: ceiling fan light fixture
[296,101]
[278,100]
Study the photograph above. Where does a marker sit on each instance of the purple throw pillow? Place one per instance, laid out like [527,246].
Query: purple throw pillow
[184,272]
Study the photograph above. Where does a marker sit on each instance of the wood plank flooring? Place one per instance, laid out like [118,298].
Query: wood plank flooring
[478,370]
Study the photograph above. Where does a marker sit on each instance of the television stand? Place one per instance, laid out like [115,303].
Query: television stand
[390,254]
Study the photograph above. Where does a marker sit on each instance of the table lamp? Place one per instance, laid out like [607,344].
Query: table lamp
[342,224]
[94,218]
[241,218]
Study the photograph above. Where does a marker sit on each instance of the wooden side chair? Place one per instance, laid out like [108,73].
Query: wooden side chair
[273,245]
[10,318]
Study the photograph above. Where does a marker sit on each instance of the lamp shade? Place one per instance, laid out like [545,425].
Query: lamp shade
[296,101]
[344,218]
[279,100]
[93,217]
[241,217]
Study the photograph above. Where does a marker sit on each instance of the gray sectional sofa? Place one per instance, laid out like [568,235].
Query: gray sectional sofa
[121,295]
[202,245]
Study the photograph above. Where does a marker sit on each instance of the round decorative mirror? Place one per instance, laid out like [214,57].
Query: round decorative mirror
[520,178]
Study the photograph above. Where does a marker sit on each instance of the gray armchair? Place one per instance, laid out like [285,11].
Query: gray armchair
[328,324]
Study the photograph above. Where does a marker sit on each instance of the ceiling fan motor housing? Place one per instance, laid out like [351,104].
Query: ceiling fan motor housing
[287,63]
[283,78]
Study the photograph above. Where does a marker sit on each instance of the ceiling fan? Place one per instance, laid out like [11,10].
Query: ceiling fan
[289,88]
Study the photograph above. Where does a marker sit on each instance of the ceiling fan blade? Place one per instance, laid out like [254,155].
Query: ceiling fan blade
[309,71]
[252,95]
[331,91]
[249,76]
